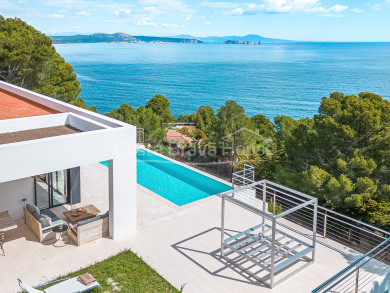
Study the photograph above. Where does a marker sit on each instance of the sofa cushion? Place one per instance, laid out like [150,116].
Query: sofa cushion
[81,223]
[43,222]
[51,215]
[36,215]
[32,208]
[48,219]
[41,219]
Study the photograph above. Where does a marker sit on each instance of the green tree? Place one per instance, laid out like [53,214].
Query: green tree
[79,102]
[160,105]
[28,59]
[151,124]
[233,127]
[264,125]
[142,117]
[205,118]
[198,136]
[125,113]
[341,155]
[186,118]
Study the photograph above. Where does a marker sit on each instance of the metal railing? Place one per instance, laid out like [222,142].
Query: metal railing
[182,124]
[244,176]
[362,273]
[333,225]
[350,232]
[178,124]
[371,241]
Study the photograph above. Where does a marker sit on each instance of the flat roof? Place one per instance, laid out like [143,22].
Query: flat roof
[13,106]
[37,133]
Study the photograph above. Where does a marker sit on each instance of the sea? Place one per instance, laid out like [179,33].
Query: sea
[270,79]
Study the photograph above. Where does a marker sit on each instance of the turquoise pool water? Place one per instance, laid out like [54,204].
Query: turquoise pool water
[176,183]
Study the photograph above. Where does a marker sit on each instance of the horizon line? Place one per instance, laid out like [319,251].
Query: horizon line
[65,34]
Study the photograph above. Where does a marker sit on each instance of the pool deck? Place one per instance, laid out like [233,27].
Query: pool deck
[181,243]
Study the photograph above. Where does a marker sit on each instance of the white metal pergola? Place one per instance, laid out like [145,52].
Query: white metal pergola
[268,249]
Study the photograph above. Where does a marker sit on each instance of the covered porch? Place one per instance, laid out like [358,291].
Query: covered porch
[42,153]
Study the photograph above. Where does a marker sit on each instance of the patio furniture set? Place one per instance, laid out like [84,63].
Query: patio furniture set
[82,225]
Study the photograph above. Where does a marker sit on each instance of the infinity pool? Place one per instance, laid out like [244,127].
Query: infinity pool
[176,183]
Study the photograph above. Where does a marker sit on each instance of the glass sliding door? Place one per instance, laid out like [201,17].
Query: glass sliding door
[50,190]
[58,183]
[42,193]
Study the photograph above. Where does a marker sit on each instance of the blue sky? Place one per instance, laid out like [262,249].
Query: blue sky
[311,20]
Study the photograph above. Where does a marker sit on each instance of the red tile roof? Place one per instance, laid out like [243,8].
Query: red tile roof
[176,136]
[13,106]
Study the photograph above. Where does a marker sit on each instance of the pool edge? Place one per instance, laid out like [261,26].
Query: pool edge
[188,167]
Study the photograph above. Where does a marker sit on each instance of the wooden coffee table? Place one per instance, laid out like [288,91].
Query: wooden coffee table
[89,212]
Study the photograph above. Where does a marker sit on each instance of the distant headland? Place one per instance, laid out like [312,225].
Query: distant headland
[118,38]
[127,38]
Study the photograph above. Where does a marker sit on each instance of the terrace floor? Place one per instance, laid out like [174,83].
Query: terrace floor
[31,134]
[181,243]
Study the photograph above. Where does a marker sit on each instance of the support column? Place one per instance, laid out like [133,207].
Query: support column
[123,196]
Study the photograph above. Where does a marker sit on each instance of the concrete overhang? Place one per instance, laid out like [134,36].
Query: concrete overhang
[99,138]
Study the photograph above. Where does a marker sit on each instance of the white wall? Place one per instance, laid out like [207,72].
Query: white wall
[12,193]
[34,157]
[123,196]
[35,122]
[27,123]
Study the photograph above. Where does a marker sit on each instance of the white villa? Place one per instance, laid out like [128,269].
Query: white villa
[43,143]
[234,241]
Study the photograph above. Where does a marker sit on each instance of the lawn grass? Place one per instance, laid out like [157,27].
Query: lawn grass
[126,272]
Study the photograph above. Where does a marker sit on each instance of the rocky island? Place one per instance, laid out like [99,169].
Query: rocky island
[234,42]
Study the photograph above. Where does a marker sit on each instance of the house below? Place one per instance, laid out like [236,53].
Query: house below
[176,139]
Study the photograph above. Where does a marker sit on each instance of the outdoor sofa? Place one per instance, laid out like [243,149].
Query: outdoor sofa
[41,222]
[89,230]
